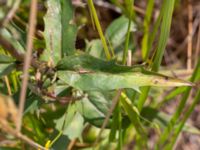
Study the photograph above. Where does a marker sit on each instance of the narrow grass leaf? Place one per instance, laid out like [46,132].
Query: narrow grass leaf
[164,34]
[125,52]
[175,117]
[98,26]
[4,59]
[145,39]
[6,69]
[132,113]
[182,123]
[167,11]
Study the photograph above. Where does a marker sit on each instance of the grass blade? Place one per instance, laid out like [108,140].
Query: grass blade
[167,10]
[98,26]
[131,2]
[175,117]
[147,19]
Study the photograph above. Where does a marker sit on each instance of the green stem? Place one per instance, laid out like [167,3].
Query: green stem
[98,26]
[56,138]
[145,39]
[167,11]
[128,34]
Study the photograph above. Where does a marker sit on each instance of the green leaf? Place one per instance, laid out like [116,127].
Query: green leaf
[59,33]
[5,69]
[14,37]
[21,33]
[95,48]
[69,30]
[95,106]
[89,73]
[164,34]
[62,142]
[109,81]
[75,127]
[71,123]
[37,132]
[146,25]
[6,59]
[166,16]
[89,63]
[90,111]
[52,32]
[116,31]
[133,113]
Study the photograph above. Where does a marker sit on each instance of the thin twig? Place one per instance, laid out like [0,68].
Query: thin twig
[27,61]
[11,13]
[107,5]
[184,43]
[114,103]
[197,47]
[117,9]
[139,10]
[190,28]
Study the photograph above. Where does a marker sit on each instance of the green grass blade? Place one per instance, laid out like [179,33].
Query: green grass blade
[182,123]
[175,117]
[145,39]
[167,10]
[143,97]
[115,124]
[98,26]
[132,113]
[172,95]
[164,34]
[155,29]
[124,60]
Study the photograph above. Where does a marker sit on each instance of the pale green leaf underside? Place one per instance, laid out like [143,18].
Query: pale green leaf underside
[108,81]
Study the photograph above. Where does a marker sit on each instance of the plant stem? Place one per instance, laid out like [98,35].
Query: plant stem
[145,39]
[167,11]
[27,62]
[125,53]
[98,26]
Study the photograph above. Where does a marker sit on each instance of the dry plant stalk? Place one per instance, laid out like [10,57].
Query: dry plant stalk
[197,47]
[27,61]
[110,111]
[190,30]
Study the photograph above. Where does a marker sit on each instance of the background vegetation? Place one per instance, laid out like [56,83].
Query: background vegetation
[99,74]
